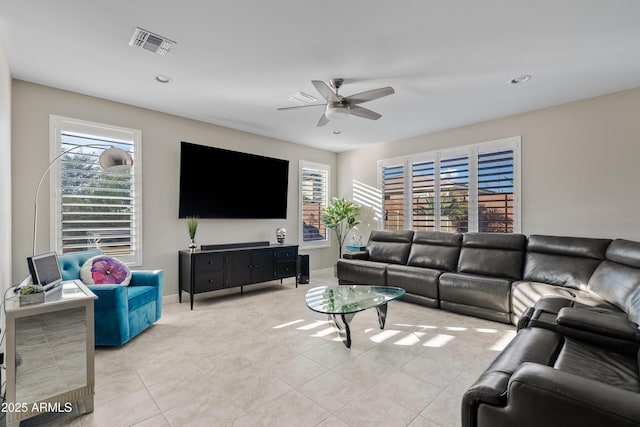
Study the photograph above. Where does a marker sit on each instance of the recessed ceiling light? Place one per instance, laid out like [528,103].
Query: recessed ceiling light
[337,132]
[520,79]
[163,79]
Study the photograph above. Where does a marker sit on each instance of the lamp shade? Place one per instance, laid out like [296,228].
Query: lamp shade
[115,159]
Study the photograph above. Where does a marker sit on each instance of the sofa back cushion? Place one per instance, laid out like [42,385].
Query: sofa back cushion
[563,261]
[492,254]
[436,250]
[617,278]
[390,246]
[71,263]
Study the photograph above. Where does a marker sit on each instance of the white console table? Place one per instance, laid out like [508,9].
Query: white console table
[50,353]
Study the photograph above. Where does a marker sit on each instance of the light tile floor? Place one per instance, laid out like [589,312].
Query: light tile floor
[264,359]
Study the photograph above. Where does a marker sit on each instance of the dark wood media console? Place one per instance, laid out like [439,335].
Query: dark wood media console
[215,267]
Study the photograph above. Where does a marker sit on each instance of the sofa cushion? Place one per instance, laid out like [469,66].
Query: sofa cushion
[141,295]
[390,246]
[563,261]
[105,270]
[415,280]
[587,361]
[492,254]
[617,279]
[479,291]
[362,272]
[582,247]
[525,294]
[434,249]
[71,263]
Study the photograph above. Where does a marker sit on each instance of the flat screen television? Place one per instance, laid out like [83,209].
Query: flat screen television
[219,183]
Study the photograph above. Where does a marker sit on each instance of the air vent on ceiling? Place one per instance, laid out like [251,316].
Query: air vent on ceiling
[147,40]
[302,98]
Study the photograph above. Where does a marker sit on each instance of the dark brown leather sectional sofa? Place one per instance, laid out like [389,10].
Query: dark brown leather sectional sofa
[576,301]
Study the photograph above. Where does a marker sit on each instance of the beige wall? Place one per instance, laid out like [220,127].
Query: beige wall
[580,172]
[163,233]
[5,172]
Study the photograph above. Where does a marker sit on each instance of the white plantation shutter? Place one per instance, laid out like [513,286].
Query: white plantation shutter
[314,196]
[393,193]
[471,188]
[496,191]
[454,193]
[423,195]
[97,209]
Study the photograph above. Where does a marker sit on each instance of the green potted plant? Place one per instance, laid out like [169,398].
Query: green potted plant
[31,294]
[192,227]
[341,216]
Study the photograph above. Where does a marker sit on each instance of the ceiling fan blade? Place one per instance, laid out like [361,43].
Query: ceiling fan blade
[301,106]
[369,95]
[323,120]
[325,91]
[364,113]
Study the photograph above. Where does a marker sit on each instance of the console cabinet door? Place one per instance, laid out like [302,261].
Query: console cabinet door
[262,265]
[237,270]
[245,267]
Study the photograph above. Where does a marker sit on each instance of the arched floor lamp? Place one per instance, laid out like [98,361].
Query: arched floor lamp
[112,159]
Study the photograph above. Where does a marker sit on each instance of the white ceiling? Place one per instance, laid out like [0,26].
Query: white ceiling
[236,61]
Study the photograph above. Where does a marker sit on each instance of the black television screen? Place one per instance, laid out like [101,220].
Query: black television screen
[219,183]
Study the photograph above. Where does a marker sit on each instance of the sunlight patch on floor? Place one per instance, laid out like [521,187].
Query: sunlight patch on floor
[324,332]
[487,330]
[284,325]
[384,335]
[313,325]
[411,339]
[439,340]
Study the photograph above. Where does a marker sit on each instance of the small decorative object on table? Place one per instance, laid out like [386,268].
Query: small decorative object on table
[281,233]
[192,226]
[31,294]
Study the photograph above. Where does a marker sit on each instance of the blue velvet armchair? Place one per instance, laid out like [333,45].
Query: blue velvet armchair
[121,312]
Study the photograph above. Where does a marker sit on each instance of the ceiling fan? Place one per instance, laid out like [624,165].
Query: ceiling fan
[340,107]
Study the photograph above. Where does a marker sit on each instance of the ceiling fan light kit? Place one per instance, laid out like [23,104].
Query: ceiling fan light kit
[338,107]
[337,112]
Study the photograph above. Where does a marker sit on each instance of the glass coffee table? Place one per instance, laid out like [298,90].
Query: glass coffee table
[344,301]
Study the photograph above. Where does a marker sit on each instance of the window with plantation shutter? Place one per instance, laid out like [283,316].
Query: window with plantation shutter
[314,188]
[495,191]
[423,195]
[454,193]
[95,209]
[393,193]
[470,188]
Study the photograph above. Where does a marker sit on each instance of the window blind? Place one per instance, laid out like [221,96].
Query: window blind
[98,208]
[313,188]
[495,191]
[454,193]
[423,195]
[393,193]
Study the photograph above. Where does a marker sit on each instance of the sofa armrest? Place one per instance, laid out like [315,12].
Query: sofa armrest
[153,278]
[608,324]
[146,278]
[356,255]
[111,313]
[612,331]
[562,399]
